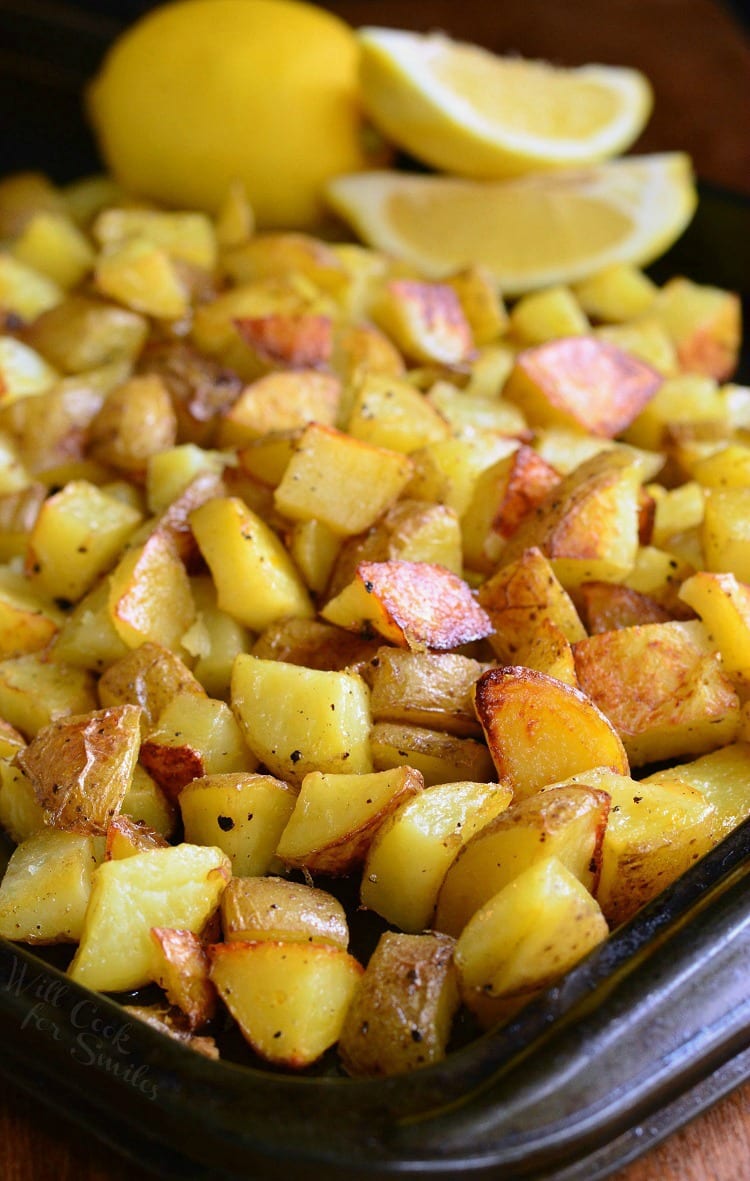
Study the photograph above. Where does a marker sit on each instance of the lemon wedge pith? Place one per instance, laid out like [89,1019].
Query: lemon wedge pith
[529,232]
[466,110]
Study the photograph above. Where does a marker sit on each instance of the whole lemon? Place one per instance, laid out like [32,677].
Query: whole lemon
[203,92]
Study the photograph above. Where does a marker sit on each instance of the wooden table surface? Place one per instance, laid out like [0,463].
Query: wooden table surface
[698,58]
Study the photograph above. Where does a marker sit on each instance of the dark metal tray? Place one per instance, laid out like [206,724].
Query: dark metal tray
[647,1032]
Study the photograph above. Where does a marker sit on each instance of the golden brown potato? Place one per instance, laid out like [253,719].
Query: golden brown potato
[662,688]
[581,382]
[240,812]
[412,604]
[45,892]
[410,531]
[136,421]
[587,526]
[181,968]
[524,938]
[280,401]
[403,1007]
[540,730]
[175,887]
[426,321]
[81,766]
[194,736]
[518,596]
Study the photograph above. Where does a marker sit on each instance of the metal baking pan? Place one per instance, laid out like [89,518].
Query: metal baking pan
[648,1031]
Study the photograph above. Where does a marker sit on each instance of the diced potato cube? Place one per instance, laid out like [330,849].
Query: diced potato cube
[412,850]
[581,382]
[481,303]
[335,817]
[143,277]
[255,580]
[297,720]
[45,892]
[194,736]
[518,595]
[439,758]
[149,595]
[389,412]
[23,371]
[426,320]
[24,291]
[173,887]
[412,604]
[432,689]
[567,823]
[656,830]
[149,676]
[82,766]
[280,401]
[704,323]
[289,999]
[547,315]
[21,814]
[241,813]
[343,482]
[619,293]
[524,938]
[722,777]
[587,525]
[77,536]
[81,334]
[187,236]
[52,244]
[725,533]
[34,691]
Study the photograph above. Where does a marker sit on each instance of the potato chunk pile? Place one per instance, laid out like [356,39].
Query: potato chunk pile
[313,571]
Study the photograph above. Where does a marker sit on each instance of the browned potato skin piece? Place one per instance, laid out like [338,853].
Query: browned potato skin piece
[540,730]
[607,606]
[50,429]
[402,1010]
[421,605]
[81,766]
[431,689]
[126,836]
[149,676]
[439,757]
[135,421]
[182,971]
[313,644]
[274,908]
[582,382]
[165,1021]
[174,520]
[201,389]
[390,538]
[288,340]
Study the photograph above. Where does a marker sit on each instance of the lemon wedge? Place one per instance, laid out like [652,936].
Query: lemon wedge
[465,110]
[530,232]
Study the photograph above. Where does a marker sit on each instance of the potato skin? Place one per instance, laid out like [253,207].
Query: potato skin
[403,1007]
